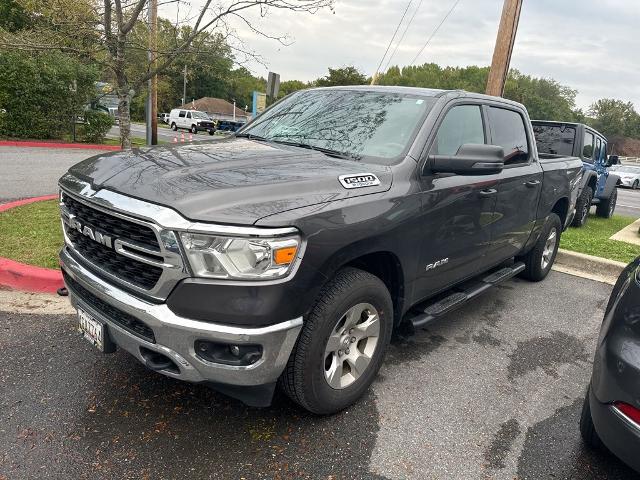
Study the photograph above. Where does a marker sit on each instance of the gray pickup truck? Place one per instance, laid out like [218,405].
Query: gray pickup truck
[290,252]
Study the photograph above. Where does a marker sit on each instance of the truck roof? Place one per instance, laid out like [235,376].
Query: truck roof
[427,92]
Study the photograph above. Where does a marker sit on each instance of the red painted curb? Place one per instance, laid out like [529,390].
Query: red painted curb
[20,276]
[26,201]
[85,146]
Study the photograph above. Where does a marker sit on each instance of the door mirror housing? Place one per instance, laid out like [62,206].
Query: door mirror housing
[613,160]
[471,159]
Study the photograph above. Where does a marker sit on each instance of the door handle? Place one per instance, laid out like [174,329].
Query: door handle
[487,192]
[532,183]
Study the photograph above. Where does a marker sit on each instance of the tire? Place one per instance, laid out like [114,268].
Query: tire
[606,208]
[583,205]
[539,260]
[174,127]
[635,185]
[587,428]
[211,132]
[307,376]
[194,129]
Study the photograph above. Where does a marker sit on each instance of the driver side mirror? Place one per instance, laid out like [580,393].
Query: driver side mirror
[471,159]
[613,160]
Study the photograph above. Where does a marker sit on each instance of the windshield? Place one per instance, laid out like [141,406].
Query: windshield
[555,139]
[199,115]
[634,170]
[356,124]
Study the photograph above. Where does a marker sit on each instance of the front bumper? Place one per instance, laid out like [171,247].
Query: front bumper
[175,336]
[619,434]
[627,182]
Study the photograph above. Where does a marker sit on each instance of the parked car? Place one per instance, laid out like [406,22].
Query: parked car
[611,411]
[629,176]
[289,252]
[191,120]
[229,126]
[598,184]
[164,118]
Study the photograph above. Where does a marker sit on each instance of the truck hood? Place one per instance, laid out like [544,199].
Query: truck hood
[235,181]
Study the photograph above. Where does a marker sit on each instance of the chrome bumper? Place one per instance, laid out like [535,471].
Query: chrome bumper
[175,336]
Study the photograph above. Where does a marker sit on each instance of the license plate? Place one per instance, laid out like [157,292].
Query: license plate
[91,329]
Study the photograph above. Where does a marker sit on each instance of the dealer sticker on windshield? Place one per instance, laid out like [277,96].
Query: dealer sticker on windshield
[359,180]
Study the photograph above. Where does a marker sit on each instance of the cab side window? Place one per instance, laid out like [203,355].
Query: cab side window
[461,125]
[587,147]
[188,114]
[182,114]
[509,132]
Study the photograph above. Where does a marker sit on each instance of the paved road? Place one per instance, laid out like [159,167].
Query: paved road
[628,202]
[28,172]
[165,134]
[493,391]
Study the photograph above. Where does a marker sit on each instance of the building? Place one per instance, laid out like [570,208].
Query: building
[218,109]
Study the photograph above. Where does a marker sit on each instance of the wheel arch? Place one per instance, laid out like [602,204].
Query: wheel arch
[561,208]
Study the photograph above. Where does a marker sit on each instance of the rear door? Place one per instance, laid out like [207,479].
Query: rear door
[520,183]
[456,210]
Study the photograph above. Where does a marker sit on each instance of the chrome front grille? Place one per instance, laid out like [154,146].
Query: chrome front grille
[131,252]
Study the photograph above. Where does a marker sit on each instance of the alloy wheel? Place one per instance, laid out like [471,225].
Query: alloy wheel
[351,345]
[549,248]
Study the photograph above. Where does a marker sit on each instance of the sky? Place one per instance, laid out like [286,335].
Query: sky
[589,45]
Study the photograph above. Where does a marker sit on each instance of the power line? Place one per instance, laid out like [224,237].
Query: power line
[373,79]
[402,36]
[435,31]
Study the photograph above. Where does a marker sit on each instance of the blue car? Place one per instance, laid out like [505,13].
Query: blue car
[611,410]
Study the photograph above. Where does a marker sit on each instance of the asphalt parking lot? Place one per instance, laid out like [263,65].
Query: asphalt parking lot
[493,391]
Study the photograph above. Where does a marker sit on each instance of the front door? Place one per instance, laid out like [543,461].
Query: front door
[456,210]
[519,187]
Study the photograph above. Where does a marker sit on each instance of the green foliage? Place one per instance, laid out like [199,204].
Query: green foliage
[36,92]
[96,126]
[615,118]
[13,16]
[342,76]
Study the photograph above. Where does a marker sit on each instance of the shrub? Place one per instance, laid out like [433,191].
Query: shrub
[96,126]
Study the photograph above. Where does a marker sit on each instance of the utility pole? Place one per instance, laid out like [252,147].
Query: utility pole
[504,47]
[152,84]
[184,87]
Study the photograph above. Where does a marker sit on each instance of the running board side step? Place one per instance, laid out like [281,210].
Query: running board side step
[471,290]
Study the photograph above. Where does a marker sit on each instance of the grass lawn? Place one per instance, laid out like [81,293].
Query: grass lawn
[32,234]
[593,239]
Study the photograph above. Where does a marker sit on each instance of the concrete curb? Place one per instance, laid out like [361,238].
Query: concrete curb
[20,276]
[588,266]
[82,146]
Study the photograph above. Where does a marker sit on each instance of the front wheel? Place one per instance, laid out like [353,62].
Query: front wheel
[606,208]
[211,132]
[194,129]
[342,343]
[635,185]
[583,205]
[539,260]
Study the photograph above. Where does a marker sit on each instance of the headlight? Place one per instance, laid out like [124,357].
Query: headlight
[214,256]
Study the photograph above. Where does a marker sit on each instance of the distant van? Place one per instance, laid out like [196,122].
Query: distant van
[191,120]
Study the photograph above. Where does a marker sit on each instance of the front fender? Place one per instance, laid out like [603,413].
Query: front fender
[612,181]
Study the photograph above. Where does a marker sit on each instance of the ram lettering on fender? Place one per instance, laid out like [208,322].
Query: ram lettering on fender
[359,180]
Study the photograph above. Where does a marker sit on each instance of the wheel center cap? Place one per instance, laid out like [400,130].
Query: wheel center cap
[346,341]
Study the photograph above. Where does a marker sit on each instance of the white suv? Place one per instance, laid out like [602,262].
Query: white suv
[191,120]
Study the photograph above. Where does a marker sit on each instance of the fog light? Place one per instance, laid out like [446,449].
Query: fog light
[228,354]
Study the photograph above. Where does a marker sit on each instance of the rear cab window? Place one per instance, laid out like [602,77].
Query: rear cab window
[508,131]
[587,147]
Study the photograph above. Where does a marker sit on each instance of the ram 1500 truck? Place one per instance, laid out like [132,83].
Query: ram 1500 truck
[598,185]
[288,253]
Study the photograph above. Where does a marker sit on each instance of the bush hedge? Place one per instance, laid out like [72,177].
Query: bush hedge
[96,126]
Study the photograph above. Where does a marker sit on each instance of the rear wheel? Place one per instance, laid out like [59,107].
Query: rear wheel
[583,205]
[539,260]
[587,428]
[342,343]
[174,127]
[606,208]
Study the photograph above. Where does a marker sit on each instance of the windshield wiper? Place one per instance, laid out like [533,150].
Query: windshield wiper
[326,151]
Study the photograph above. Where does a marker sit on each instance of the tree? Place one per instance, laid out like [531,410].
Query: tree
[342,76]
[103,31]
[615,118]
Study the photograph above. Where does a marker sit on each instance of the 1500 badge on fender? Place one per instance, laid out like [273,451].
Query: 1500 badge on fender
[359,180]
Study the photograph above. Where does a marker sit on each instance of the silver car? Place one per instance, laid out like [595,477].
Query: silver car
[629,176]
